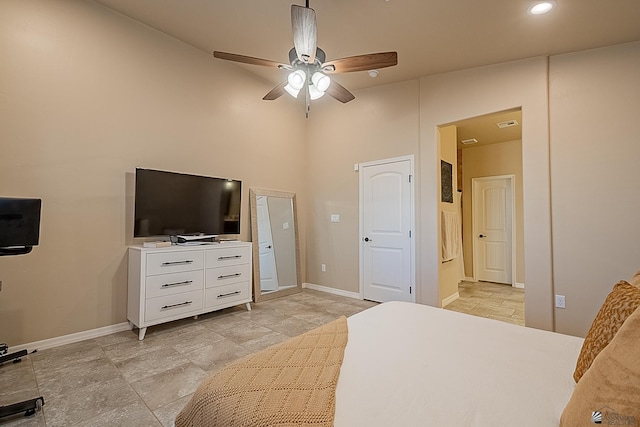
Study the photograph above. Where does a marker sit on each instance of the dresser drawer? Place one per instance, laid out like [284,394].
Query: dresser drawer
[227,295]
[172,305]
[174,262]
[221,256]
[174,283]
[227,275]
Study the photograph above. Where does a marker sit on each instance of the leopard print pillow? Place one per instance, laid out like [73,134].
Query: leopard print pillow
[620,303]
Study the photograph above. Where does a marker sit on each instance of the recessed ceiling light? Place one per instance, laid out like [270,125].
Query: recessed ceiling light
[507,124]
[541,8]
[373,73]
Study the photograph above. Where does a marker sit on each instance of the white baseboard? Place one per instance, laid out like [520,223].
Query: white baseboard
[451,298]
[468,279]
[72,338]
[334,291]
[519,285]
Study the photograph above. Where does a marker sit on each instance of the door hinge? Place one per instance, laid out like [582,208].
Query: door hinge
[409,233]
[409,290]
[410,178]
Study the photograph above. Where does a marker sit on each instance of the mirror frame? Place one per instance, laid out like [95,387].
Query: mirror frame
[257,293]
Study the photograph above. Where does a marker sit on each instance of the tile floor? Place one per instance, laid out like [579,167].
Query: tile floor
[117,380]
[493,300]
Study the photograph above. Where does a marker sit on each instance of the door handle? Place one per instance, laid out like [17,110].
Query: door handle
[482,236]
[366,239]
[269,247]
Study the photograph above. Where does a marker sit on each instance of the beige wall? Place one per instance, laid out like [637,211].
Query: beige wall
[381,123]
[450,271]
[492,160]
[450,97]
[87,95]
[595,106]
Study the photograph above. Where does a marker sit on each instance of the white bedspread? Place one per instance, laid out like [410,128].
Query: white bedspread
[413,365]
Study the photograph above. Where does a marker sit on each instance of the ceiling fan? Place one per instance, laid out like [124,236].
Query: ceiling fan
[309,70]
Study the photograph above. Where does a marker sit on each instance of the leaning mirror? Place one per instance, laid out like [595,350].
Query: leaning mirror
[274,232]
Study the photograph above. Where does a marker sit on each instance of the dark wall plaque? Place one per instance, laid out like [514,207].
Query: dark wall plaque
[446,178]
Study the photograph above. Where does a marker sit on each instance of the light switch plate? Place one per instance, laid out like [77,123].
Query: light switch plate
[335,218]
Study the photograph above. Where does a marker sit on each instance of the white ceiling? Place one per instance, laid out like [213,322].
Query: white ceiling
[430,36]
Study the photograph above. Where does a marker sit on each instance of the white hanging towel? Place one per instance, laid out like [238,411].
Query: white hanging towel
[451,235]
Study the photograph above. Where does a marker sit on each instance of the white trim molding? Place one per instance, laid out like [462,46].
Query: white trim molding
[334,291]
[72,338]
[518,285]
[451,298]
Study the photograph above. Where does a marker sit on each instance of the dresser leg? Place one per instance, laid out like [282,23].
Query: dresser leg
[248,306]
[141,333]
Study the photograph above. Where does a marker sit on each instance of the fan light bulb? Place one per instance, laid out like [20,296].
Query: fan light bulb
[321,81]
[297,79]
[314,93]
[291,91]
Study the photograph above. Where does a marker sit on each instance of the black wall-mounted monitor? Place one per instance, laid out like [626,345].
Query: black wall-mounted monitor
[169,203]
[19,223]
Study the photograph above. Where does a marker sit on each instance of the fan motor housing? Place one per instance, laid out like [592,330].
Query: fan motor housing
[294,61]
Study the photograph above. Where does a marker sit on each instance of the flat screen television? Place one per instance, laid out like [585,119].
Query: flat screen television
[19,222]
[170,203]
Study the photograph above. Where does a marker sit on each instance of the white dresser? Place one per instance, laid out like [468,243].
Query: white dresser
[175,282]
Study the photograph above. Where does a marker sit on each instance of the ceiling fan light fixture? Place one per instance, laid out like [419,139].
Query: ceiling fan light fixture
[320,81]
[315,93]
[296,79]
[291,91]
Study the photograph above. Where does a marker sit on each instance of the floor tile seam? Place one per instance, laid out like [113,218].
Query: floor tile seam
[101,411]
[141,399]
[41,392]
[38,387]
[186,361]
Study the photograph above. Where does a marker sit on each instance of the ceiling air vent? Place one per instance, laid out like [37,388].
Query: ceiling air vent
[507,124]
[469,141]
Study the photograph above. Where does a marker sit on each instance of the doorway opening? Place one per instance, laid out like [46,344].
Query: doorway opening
[487,148]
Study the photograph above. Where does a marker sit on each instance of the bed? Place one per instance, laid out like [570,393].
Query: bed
[412,365]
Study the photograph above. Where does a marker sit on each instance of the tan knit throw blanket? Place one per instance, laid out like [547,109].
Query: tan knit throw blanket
[289,384]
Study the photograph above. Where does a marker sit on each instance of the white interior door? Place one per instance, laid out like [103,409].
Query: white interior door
[493,229]
[386,226]
[268,273]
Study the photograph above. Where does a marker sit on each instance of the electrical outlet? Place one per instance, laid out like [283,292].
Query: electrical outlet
[323,267]
[561,301]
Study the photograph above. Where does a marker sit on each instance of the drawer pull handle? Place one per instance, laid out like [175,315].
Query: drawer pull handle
[166,307]
[230,294]
[186,282]
[169,264]
[223,258]
[229,275]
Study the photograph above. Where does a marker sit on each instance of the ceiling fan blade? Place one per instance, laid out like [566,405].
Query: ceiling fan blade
[366,62]
[249,60]
[339,92]
[305,32]
[276,92]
